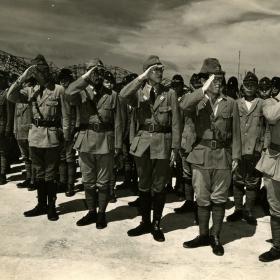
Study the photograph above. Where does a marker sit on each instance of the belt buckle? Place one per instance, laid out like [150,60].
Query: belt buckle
[96,127]
[36,122]
[151,127]
[213,144]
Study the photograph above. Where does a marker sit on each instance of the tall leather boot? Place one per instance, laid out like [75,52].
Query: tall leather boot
[91,196]
[103,199]
[251,196]
[51,191]
[145,203]
[274,253]
[218,214]
[237,215]
[41,207]
[62,185]
[71,173]
[203,213]
[158,202]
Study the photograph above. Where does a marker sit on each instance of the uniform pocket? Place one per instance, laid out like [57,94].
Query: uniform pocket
[196,156]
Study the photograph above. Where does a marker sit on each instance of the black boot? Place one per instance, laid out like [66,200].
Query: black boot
[249,218]
[89,218]
[199,241]
[3,179]
[51,190]
[237,215]
[24,184]
[135,203]
[274,253]
[101,220]
[158,202]
[41,207]
[71,172]
[216,245]
[188,206]
[145,202]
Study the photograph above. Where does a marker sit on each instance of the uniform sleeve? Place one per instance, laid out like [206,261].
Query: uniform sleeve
[129,94]
[189,101]
[118,125]
[271,110]
[236,132]
[17,94]
[66,115]
[176,122]
[73,92]
[10,117]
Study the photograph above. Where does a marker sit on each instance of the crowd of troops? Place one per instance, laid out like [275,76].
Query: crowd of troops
[216,138]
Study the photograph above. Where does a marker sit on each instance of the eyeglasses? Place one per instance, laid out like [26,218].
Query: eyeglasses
[158,69]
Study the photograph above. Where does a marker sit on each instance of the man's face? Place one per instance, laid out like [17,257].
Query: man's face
[97,75]
[156,74]
[178,87]
[217,84]
[250,88]
[265,93]
[65,83]
[274,91]
[107,84]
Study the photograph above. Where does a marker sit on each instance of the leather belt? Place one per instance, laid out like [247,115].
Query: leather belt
[155,128]
[275,147]
[97,127]
[46,123]
[213,144]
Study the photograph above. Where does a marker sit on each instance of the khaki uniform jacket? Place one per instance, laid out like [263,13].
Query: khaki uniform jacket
[166,113]
[82,94]
[22,120]
[252,124]
[52,107]
[227,127]
[269,164]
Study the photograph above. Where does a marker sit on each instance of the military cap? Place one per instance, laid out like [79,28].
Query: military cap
[65,73]
[177,79]
[39,60]
[250,77]
[109,77]
[150,61]
[265,84]
[275,81]
[211,66]
[94,62]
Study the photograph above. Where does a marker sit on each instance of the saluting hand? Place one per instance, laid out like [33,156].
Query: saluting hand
[27,74]
[146,74]
[92,74]
[208,83]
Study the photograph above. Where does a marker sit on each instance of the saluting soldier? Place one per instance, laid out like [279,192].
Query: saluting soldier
[215,153]
[98,139]
[269,166]
[67,166]
[6,126]
[22,123]
[156,142]
[45,135]
[246,178]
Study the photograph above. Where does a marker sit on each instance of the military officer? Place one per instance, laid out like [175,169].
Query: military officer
[22,123]
[215,153]
[98,139]
[45,135]
[265,88]
[6,126]
[275,86]
[188,139]
[67,166]
[156,142]
[269,166]
[232,88]
[253,127]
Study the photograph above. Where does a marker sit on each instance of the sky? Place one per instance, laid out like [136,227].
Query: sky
[125,32]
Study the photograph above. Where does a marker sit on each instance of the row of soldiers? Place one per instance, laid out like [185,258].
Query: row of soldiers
[210,137]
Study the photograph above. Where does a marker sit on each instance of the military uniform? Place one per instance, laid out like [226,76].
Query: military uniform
[100,133]
[49,123]
[269,166]
[158,131]
[217,143]
[6,127]
[22,123]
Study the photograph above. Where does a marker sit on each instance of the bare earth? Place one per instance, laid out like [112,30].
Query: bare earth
[35,248]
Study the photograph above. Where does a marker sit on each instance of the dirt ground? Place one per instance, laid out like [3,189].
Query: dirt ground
[35,248]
